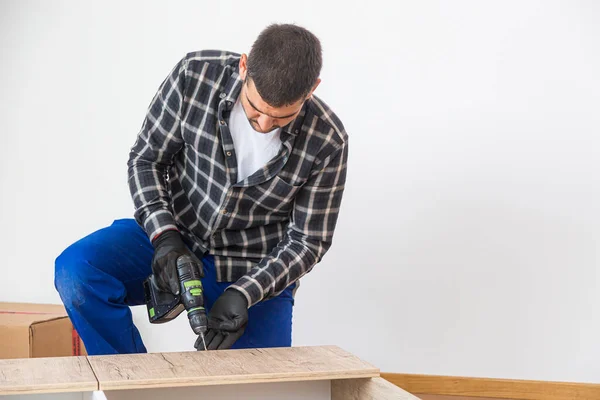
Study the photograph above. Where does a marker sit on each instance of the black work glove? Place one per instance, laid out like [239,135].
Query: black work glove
[168,247]
[227,321]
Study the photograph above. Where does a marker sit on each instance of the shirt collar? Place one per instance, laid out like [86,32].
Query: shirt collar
[233,88]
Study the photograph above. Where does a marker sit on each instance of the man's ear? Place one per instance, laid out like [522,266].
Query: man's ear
[314,88]
[243,66]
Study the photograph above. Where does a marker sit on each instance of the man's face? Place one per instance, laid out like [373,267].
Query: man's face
[261,115]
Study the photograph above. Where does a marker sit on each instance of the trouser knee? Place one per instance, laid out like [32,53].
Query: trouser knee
[70,276]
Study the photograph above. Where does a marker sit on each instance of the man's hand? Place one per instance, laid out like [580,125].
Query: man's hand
[168,247]
[227,321]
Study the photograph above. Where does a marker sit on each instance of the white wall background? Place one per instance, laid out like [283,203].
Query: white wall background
[469,237]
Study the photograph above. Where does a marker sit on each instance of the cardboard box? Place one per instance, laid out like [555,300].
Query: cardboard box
[37,330]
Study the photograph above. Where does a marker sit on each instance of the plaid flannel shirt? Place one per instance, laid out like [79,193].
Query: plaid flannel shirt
[266,231]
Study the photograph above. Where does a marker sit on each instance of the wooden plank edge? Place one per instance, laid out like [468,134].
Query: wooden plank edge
[97,386]
[239,379]
[495,388]
[50,388]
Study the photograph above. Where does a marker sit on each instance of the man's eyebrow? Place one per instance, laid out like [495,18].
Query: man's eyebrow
[272,116]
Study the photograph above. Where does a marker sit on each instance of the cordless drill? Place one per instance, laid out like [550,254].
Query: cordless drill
[165,306]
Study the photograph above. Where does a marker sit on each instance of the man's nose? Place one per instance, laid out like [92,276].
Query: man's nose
[265,122]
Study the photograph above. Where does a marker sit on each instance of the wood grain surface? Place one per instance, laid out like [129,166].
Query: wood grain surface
[137,371]
[495,388]
[445,397]
[368,389]
[46,375]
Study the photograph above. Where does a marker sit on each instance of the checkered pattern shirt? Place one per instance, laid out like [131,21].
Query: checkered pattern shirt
[266,231]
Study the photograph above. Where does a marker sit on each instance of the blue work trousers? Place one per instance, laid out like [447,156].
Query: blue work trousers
[101,275]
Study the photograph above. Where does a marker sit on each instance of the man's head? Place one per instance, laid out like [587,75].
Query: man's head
[281,72]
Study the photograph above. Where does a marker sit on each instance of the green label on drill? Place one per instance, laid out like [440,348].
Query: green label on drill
[152,312]
[196,292]
[195,308]
[192,283]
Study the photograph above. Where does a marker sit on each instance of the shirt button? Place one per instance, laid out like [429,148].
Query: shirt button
[222,122]
[222,95]
[228,154]
[224,211]
[296,131]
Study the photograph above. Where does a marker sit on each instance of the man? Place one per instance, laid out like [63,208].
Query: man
[237,164]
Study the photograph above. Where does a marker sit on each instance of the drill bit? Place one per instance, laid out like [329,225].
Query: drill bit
[203,342]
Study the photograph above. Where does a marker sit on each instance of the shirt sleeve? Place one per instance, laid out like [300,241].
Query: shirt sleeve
[158,141]
[309,234]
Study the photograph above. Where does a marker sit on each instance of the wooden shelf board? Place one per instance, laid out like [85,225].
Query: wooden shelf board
[46,375]
[136,371]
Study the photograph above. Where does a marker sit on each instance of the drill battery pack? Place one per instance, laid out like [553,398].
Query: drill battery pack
[161,306]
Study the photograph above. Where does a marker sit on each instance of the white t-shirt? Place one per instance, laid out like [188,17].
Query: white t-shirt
[253,150]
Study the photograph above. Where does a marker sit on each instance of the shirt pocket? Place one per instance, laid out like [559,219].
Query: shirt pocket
[274,196]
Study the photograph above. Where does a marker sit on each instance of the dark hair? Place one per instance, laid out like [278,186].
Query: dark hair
[284,63]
